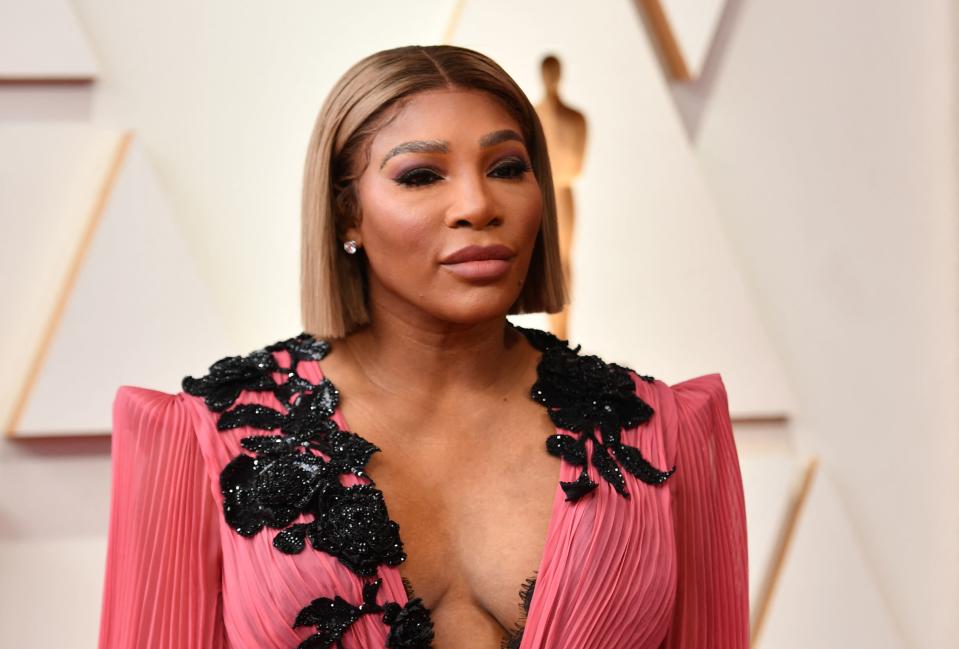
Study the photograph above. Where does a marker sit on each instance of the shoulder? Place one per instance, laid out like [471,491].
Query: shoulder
[582,372]
[560,357]
[686,398]
[584,392]
[696,413]
[258,371]
[605,409]
[136,396]
[144,405]
[701,401]
[150,425]
[217,389]
[701,391]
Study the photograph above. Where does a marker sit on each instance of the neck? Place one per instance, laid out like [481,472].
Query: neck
[405,352]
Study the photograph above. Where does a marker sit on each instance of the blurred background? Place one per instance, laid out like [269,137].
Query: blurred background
[765,188]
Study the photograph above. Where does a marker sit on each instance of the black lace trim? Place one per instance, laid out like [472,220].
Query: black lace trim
[515,638]
[282,477]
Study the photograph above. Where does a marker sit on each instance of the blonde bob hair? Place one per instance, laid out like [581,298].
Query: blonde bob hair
[332,283]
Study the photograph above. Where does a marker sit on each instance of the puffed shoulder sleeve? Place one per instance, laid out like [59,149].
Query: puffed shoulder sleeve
[712,596]
[162,584]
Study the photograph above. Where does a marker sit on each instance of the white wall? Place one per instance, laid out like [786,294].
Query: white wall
[54,507]
[829,140]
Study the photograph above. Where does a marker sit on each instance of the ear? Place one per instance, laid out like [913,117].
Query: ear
[348,204]
[353,232]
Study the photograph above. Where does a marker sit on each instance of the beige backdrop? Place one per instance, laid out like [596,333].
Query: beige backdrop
[822,153]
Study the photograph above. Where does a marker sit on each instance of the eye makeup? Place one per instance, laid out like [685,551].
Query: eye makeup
[511,168]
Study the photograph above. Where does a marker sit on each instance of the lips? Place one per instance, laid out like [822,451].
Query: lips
[479,262]
[478,253]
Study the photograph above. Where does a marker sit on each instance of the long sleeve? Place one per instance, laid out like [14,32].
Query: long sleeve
[162,585]
[712,597]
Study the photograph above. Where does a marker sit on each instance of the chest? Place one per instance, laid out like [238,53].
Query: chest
[473,493]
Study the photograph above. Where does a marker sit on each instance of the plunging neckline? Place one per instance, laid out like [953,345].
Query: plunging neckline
[559,497]
[276,478]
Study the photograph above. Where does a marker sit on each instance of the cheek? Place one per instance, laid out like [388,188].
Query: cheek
[390,228]
[531,215]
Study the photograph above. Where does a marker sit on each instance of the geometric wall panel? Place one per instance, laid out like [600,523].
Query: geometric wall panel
[42,40]
[133,311]
[53,177]
[826,595]
[772,483]
[684,31]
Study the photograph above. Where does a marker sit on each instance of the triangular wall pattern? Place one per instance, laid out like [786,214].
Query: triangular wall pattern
[771,484]
[656,285]
[42,40]
[826,595]
[54,176]
[138,314]
[691,27]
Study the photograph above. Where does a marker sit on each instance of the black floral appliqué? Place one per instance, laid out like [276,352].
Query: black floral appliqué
[595,400]
[271,490]
[351,524]
[293,468]
[284,477]
[228,377]
[410,624]
[296,471]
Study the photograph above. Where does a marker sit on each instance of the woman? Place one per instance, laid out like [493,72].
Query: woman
[248,513]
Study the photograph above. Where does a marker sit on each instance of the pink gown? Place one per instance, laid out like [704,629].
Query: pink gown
[665,567]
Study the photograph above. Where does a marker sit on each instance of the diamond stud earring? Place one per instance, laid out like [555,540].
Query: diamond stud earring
[350,247]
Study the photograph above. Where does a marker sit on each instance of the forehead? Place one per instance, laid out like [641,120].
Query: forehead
[444,115]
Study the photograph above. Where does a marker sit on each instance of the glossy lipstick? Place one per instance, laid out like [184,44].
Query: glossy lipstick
[479,262]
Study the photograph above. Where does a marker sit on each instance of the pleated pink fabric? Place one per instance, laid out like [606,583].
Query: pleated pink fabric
[665,568]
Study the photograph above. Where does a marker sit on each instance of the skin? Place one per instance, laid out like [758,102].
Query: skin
[437,380]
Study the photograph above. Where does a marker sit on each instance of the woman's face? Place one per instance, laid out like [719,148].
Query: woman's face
[449,209]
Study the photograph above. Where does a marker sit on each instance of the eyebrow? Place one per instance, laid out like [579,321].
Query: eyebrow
[417,146]
[442,146]
[504,135]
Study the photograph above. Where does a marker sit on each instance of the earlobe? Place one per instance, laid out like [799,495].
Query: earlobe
[352,241]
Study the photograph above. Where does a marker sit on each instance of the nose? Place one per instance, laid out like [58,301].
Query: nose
[473,206]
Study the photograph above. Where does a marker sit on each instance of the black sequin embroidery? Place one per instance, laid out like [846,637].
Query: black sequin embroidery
[410,625]
[596,401]
[284,477]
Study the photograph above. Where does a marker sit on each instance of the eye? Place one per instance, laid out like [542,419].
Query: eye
[418,177]
[510,169]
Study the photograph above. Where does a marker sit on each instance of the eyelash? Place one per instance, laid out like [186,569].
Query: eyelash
[423,176]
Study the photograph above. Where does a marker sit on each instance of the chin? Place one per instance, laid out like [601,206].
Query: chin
[476,307]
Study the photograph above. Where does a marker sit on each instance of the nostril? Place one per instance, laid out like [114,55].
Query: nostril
[475,221]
